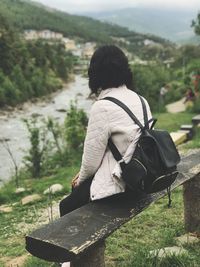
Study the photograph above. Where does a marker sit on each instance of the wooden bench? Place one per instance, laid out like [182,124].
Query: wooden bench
[79,236]
[179,137]
[189,129]
[196,119]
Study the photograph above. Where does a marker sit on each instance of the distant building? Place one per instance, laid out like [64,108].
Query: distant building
[148,42]
[58,35]
[84,51]
[69,44]
[31,35]
[169,62]
[45,34]
[88,50]
[120,40]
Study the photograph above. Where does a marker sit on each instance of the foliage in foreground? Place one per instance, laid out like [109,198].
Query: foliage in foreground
[154,228]
[54,145]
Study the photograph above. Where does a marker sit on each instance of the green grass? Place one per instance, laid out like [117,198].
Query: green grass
[194,143]
[155,228]
[11,237]
[34,262]
[129,246]
[172,121]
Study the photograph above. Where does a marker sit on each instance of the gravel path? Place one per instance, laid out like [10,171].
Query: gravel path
[176,107]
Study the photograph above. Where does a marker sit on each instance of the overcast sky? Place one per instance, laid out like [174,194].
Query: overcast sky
[78,6]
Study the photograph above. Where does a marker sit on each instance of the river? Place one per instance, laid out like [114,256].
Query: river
[13,129]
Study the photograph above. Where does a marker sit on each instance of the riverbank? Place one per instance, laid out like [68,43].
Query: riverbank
[45,100]
[14,131]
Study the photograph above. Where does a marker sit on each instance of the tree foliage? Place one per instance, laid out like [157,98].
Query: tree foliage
[29,69]
[53,145]
[196,24]
[75,127]
[148,81]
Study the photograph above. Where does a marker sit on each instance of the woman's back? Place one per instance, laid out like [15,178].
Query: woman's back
[108,119]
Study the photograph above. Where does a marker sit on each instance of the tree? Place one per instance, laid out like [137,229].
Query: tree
[18,79]
[148,80]
[11,92]
[9,46]
[39,143]
[196,24]
[75,127]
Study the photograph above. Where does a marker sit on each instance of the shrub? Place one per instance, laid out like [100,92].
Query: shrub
[54,145]
[75,127]
[195,107]
[38,140]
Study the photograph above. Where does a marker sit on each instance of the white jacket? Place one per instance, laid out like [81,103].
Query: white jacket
[107,119]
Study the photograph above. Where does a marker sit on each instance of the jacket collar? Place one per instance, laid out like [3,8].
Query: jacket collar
[105,92]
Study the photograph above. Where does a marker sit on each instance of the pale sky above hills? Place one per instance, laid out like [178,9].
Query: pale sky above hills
[80,6]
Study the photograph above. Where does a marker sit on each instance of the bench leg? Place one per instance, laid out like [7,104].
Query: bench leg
[93,258]
[191,194]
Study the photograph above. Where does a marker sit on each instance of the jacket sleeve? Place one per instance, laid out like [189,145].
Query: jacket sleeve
[95,142]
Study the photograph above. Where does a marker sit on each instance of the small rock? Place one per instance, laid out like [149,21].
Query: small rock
[187,239]
[168,251]
[55,188]
[66,264]
[35,115]
[61,110]
[79,94]
[9,108]
[20,190]
[31,199]
[4,140]
[5,208]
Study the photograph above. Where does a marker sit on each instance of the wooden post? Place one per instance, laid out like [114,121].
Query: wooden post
[191,194]
[93,258]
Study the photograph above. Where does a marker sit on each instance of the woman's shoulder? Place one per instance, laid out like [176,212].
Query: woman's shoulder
[99,108]
[128,97]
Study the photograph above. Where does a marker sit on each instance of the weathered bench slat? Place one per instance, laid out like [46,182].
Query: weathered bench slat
[74,233]
[178,137]
[196,119]
[190,128]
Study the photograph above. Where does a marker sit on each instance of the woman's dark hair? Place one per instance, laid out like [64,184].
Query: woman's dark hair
[109,68]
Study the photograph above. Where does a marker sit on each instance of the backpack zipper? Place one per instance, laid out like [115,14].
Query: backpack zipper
[140,164]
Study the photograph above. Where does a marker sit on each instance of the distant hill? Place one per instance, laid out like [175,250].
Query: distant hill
[30,15]
[194,40]
[174,25]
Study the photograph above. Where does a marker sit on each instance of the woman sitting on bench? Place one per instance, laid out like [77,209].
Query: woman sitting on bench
[100,174]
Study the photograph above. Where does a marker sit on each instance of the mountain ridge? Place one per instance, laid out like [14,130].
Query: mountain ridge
[28,14]
[174,25]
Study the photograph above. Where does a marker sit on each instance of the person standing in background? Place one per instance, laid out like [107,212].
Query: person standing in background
[163,92]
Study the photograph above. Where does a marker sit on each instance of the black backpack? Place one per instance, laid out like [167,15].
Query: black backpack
[153,166]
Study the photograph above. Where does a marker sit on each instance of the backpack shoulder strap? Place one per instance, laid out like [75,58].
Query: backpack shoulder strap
[146,121]
[125,108]
[116,154]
